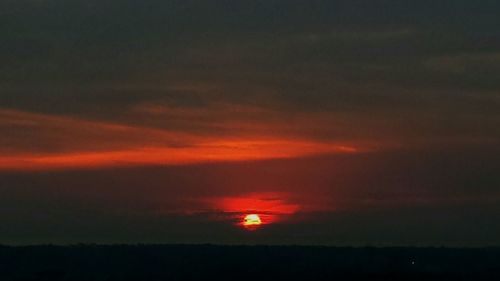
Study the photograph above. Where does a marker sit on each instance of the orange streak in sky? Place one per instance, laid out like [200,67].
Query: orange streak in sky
[210,152]
[46,142]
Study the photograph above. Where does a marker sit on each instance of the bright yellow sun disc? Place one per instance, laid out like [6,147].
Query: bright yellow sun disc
[252,219]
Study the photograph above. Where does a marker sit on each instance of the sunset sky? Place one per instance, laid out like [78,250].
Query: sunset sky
[353,122]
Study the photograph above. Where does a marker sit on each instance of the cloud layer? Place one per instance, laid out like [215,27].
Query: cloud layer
[374,119]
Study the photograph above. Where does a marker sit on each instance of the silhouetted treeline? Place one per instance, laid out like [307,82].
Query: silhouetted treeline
[209,262]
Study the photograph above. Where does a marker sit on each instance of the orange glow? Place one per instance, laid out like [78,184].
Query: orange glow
[204,153]
[269,207]
[251,221]
[82,143]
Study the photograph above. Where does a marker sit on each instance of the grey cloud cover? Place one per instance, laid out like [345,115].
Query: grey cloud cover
[419,74]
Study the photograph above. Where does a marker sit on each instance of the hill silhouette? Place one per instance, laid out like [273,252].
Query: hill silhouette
[211,262]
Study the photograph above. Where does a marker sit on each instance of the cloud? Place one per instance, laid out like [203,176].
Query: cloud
[38,141]
[377,198]
[126,115]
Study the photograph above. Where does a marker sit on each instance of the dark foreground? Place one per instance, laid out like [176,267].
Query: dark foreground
[205,262]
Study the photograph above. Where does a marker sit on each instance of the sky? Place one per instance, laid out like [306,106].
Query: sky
[337,122]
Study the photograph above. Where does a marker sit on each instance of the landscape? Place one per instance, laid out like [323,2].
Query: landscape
[201,262]
[249,139]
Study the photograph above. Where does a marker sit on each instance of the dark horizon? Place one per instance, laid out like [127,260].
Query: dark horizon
[188,262]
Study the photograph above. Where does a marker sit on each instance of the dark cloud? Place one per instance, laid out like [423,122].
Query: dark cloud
[412,85]
[397,198]
[88,44]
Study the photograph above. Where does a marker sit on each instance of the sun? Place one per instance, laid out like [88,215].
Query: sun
[251,221]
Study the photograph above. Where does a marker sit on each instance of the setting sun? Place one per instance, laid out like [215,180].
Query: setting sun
[251,220]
